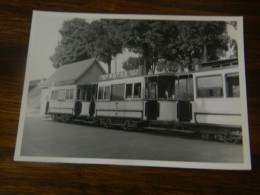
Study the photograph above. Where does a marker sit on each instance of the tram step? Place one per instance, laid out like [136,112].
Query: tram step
[90,122]
[173,130]
[116,124]
[84,121]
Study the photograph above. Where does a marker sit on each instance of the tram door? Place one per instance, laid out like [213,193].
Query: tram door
[152,105]
[184,93]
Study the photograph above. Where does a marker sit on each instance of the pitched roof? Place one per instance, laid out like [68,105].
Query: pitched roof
[69,73]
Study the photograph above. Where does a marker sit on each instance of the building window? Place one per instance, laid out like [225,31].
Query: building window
[129,90]
[232,85]
[107,93]
[137,90]
[117,92]
[210,86]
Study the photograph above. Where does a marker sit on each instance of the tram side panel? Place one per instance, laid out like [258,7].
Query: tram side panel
[61,107]
[217,100]
[62,100]
[85,108]
[134,109]
[167,111]
[218,112]
[120,99]
[66,100]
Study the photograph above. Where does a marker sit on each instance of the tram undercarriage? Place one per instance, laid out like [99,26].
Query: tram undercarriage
[209,132]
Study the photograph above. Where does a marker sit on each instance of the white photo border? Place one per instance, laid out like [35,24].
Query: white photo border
[246,165]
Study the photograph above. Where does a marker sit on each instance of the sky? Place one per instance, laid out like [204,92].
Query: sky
[45,37]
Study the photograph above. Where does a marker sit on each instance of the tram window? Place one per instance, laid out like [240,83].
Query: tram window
[129,89]
[137,90]
[55,95]
[166,88]
[67,94]
[71,94]
[152,90]
[232,85]
[101,93]
[93,92]
[88,94]
[184,88]
[117,92]
[79,91]
[62,94]
[83,94]
[107,92]
[52,95]
[210,86]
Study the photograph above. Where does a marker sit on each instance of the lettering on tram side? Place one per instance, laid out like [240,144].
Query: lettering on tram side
[119,75]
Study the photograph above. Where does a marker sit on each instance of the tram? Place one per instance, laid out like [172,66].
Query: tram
[206,101]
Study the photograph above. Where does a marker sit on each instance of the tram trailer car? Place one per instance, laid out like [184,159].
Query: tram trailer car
[206,101]
[72,102]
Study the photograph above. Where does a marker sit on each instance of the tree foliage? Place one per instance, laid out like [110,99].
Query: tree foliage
[103,41]
[148,38]
[233,42]
[162,45]
[166,45]
[197,42]
[72,46]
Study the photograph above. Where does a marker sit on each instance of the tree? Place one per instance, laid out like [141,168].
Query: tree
[197,41]
[150,39]
[137,36]
[72,46]
[179,43]
[163,45]
[205,40]
[233,43]
[103,41]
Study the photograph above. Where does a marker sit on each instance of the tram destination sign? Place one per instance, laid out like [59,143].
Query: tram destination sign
[120,75]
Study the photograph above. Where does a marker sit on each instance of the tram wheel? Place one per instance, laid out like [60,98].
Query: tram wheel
[229,138]
[108,123]
[54,117]
[65,118]
[127,125]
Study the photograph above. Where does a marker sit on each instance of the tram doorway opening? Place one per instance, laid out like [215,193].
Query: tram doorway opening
[158,88]
[184,94]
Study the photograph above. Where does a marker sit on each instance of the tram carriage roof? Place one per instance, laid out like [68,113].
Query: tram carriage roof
[209,66]
[214,66]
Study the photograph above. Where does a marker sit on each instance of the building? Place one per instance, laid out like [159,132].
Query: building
[35,83]
[78,73]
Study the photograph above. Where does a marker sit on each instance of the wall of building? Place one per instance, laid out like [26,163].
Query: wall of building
[91,75]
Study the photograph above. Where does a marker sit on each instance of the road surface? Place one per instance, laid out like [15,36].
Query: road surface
[47,138]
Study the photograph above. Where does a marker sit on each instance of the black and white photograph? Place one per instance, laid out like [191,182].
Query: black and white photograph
[135,90]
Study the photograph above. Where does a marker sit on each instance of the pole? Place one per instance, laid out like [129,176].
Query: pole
[115,64]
